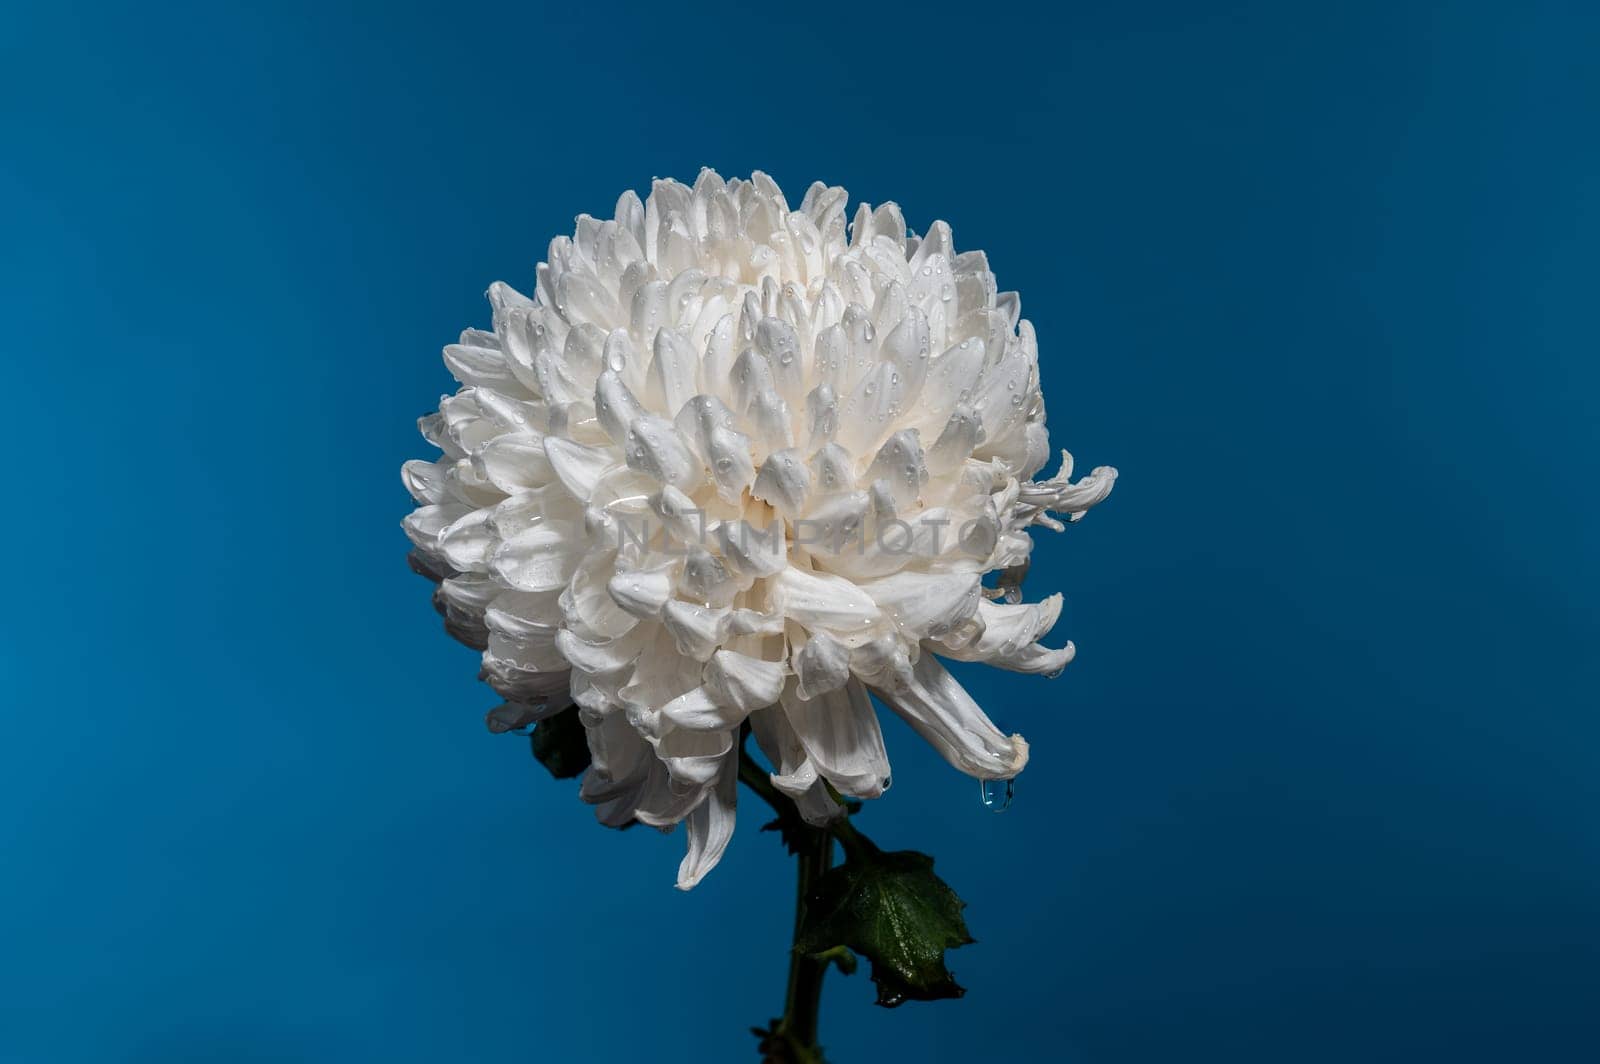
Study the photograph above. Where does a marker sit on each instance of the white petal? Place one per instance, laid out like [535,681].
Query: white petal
[871,408]
[777,342]
[673,370]
[693,757]
[681,519]
[706,579]
[524,685]
[882,662]
[584,297]
[821,665]
[424,480]
[927,605]
[832,351]
[656,449]
[702,710]
[710,826]
[663,801]
[514,462]
[753,551]
[906,349]
[600,658]
[719,358]
[754,622]
[833,524]
[520,611]
[587,606]
[841,736]
[698,630]
[833,469]
[423,525]
[642,592]
[615,406]
[956,441]
[1062,496]
[818,600]
[899,463]
[468,541]
[462,482]
[942,712]
[793,773]
[534,652]
[482,367]
[540,559]
[822,416]
[951,378]
[578,467]
[1008,628]
[783,482]
[744,682]
[707,424]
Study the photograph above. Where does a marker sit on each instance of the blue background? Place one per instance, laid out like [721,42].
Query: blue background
[1321,785]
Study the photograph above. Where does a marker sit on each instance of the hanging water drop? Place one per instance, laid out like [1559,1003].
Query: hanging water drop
[997,794]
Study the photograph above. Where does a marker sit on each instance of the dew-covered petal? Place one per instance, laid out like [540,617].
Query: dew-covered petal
[482,367]
[656,449]
[899,464]
[674,370]
[424,525]
[641,592]
[709,827]
[577,466]
[819,600]
[821,665]
[514,462]
[927,605]
[468,542]
[941,711]
[840,733]
[744,682]
[424,480]
[783,481]
[753,551]
[540,559]
[693,757]
[698,630]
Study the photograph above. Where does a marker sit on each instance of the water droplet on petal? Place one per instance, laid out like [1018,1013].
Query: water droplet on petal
[997,794]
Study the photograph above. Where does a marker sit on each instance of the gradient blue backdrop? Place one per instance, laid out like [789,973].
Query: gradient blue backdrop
[1322,784]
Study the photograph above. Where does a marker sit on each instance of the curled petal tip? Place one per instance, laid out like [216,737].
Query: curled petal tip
[1019,757]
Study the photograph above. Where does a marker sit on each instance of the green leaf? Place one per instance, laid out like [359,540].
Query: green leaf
[892,909]
[561,745]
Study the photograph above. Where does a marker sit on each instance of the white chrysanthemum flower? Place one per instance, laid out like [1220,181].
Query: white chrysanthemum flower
[729,464]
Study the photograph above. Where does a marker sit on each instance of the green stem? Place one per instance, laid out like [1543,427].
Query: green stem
[803,998]
[854,842]
[797,1029]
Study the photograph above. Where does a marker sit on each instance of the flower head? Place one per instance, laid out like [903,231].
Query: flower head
[735,462]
